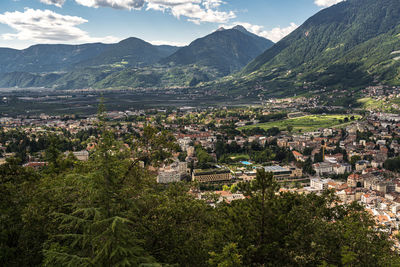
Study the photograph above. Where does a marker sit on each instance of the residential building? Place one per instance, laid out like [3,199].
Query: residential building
[323,168]
[211,175]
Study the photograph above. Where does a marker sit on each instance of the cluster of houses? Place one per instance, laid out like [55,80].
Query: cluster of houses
[372,141]
[377,189]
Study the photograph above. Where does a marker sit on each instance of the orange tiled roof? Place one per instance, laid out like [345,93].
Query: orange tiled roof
[295,153]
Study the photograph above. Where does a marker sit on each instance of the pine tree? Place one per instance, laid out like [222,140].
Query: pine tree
[97,232]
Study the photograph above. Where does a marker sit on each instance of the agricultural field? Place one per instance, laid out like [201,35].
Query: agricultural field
[372,104]
[307,123]
[390,106]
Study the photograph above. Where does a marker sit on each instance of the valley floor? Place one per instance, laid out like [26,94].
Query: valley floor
[84,102]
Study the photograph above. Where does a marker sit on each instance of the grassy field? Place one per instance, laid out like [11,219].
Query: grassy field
[306,123]
[390,106]
[369,103]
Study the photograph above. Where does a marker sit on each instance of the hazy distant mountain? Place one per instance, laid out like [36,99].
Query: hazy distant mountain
[167,50]
[53,58]
[347,45]
[225,50]
[27,79]
[131,62]
[47,58]
[132,51]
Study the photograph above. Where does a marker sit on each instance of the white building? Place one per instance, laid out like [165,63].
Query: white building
[80,155]
[172,173]
[342,168]
[362,165]
[167,176]
[319,184]
[184,143]
[323,168]
[182,167]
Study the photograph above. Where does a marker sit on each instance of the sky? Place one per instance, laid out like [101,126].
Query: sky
[176,22]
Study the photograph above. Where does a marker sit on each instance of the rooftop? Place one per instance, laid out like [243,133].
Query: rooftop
[275,169]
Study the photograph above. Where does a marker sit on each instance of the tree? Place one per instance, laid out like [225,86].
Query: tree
[261,193]
[392,164]
[176,226]
[154,147]
[16,189]
[263,156]
[229,257]
[318,157]
[274,131]
[307,151]
[354,160]
[182,156]
[204,159]
[97,230]
[290,229]
[307,167]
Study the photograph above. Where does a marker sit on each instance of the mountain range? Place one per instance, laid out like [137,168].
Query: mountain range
[53,58]
[227,50]
[131,62]
[350,45]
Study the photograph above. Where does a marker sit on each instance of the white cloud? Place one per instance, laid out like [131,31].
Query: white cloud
[117,4]
[47,26]
[278,33]
[58,3]
[197,14]
[326,3]
[160,42]
[274,35]
[212,3]
[196,11]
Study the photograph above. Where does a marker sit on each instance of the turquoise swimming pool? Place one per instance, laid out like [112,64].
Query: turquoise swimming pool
[246,163]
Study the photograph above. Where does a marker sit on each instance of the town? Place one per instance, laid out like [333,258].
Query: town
[354,154]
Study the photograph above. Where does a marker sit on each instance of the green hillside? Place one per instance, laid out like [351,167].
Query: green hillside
[134,51]
[225,50]
[351,44]
[46,57]
[114,76]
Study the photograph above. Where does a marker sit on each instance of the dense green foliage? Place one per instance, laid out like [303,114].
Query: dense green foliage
[272,117]
[204,159]
[22,144]
[393,164]
[233,153]
[110,212]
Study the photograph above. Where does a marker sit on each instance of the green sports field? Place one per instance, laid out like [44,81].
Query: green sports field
[306,123]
